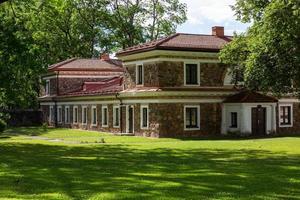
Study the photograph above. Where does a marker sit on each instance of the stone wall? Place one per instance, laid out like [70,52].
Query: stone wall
[171,74]
[165,120]
[171,120]
[296,122]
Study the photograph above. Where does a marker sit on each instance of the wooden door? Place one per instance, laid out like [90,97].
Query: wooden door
[259,121]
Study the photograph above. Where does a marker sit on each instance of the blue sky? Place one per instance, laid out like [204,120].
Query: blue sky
[203,14]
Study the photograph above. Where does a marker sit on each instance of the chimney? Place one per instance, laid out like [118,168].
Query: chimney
[105,56]
[218,31]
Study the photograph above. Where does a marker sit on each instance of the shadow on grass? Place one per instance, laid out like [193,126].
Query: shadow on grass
[122,172]
[28,131]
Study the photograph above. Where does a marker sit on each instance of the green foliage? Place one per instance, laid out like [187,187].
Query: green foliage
[2,125]
[269,52]
[36,33]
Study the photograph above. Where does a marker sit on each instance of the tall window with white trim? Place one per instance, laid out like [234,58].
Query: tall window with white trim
[139,74]
[84,115]
[75,114]
[59,114]
[94,115]
[192,117]
[67,114]
[144,117]
[286,115]
[47,88]
[104,116]
[192,74]
[116,116]
[51,114]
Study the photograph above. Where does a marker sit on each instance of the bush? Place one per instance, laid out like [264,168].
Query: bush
[2,125]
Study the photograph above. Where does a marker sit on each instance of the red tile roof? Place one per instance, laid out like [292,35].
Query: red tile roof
[79,64]
[247,96]
[108,86]
[181,41]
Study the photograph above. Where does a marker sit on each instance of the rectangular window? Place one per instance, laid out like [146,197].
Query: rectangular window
[192,117]
[75,114]
[139,74]
[116,116]
[192,74]
[94,115]
[104,116]
[47,88]
[84,115]
[286,115]
[51,114]
[234,123]
[144,117]
[67,114]
[59,114]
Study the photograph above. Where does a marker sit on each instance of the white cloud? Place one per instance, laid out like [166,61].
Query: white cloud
[217,11]
[203,14]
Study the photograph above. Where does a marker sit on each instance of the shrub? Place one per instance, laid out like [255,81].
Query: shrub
[2,125]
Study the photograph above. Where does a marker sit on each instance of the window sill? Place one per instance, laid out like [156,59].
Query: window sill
[192,129]
[285,125]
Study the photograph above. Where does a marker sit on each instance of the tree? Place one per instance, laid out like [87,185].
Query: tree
[268,54]
[37,33]
[136,21]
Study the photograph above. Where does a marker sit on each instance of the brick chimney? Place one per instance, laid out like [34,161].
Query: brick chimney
[218,31]
[105,56]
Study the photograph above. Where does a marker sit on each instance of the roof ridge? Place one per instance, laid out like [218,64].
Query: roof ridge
[62,63]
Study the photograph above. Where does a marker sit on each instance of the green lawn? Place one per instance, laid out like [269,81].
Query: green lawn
[70,164]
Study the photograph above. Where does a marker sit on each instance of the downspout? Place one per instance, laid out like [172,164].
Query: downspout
[121,111]
[55,101]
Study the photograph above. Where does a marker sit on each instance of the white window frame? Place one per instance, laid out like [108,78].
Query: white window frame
[82,114]
[198,75]
[75,113]
[51,114]
[137,74]
[114,116]
[102,116]
[59,114]
[198,118]
[92,116]
[47,88]
[67,118]
[142,116]
[237,120]
[292,115]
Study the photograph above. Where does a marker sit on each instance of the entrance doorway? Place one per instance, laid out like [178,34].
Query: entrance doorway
[258,121]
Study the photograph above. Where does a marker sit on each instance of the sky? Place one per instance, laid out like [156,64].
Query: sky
[204,14]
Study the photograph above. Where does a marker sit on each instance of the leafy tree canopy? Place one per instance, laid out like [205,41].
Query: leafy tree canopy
[36,33]
[268,54]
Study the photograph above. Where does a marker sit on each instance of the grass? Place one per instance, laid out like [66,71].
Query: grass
[72,164]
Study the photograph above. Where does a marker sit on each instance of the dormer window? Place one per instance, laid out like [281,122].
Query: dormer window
[191,74]
[139,74]
[47,88]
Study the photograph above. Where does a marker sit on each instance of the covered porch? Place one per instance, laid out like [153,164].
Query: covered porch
[249,113]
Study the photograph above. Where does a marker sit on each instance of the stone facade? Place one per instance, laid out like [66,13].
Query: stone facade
[171,74]
[165,120]
[295,129]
